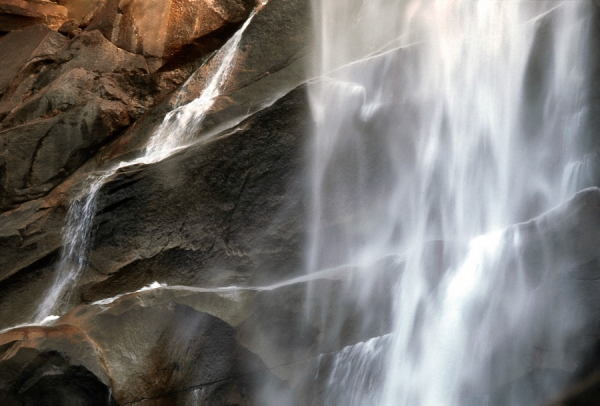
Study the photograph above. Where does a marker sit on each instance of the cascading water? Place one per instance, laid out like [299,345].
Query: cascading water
[442,122]
[175,132]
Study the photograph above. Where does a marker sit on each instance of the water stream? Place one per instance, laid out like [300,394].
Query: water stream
[465,120]
[176,131]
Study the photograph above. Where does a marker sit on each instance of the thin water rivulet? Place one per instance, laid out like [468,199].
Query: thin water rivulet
[175,131]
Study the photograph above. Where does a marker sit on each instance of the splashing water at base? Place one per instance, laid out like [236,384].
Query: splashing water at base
[176,131]
[463,128]
[357,373]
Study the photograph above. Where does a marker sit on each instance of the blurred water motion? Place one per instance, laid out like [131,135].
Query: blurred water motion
[443,121]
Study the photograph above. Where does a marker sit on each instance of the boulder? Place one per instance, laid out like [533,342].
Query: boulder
[21,47]
[70,28]
[157,353]
[81,11]
[159,28]
[18,14]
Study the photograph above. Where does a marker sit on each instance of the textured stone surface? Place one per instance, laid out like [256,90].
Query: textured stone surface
[66,84]
[160,28]
[60,107]
[45,378]
[18,14]
[165,353]
[229,210]
[240,221]
[81,11]
[181,345]
[37,156]
[19,48]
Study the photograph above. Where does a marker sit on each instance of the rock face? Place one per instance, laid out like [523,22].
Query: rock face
[183,357]
[230,232]
[192,345]
[115,91]
[67,98]
[159,28]
[18,14]
[220,224]
[31,377]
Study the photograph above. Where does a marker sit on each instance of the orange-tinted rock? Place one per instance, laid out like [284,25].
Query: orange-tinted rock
[163,351]
[82,11]
[18,14]
[159,28]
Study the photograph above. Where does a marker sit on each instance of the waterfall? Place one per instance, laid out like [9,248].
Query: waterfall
[357,373]
[444,121]
[175,132]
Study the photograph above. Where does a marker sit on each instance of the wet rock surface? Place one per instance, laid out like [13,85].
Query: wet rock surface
[240,222]
[160,28]
[182,345]
[72,95]
[149,353]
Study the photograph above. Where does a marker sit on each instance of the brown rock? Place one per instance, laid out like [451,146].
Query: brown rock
[19,48]
[82,11]
[92,51]
[159,28]
[18,14]
[160,353]
[272,61]
[37,156]
[70,29]
[30,372]
[90,92]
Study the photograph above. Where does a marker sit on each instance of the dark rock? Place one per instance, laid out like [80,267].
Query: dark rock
[184,340]
[38,156]
[19,48]
[18,14]
[59,91]
[273,63]
[46,378]
[70,28]
[533,388]
[179,354]
[565,237]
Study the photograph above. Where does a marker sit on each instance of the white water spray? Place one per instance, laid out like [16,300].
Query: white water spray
[176,131]
[461,130]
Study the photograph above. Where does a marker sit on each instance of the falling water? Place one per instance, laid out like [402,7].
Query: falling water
[443,121]
[77,234]
[175,132]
